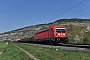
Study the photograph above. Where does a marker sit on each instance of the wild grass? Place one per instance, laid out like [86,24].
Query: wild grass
[37,53]
[53,54]
[3,46]
[13,53]
[42,53]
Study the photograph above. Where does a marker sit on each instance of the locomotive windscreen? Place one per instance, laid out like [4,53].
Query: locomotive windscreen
[59,30]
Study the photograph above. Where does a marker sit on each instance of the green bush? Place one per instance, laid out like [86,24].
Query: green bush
[87,38]
[76,33]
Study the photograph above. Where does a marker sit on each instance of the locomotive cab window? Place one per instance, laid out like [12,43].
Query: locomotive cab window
[59,30]
[63,30]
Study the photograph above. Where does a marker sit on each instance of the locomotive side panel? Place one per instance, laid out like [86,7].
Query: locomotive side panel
[42,35]
[51,33]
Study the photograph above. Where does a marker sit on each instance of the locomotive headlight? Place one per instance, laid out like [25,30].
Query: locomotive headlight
[58,34]
[64,34]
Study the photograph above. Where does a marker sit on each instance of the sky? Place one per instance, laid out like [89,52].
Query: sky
[15,14]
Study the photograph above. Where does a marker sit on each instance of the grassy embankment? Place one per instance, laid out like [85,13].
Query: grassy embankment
[3,46]
[12,53]
[51,54]
[42,53]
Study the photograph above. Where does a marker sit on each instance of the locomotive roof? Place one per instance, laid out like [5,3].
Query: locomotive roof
[42,30]
[58,26]
[49,28]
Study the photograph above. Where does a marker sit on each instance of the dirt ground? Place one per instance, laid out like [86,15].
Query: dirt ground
[1,52]
[28,53]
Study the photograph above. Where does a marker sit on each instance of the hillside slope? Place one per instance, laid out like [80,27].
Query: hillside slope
[29,31]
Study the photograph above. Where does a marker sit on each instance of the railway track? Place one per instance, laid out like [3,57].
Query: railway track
[76,45]
[72,47]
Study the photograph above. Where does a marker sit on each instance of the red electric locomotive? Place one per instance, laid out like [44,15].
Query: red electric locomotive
[54,34]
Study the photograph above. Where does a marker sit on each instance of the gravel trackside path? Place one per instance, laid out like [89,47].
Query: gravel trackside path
[28,53]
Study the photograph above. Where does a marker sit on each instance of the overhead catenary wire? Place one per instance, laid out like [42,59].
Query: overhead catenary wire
[83,14]
[68,9]
[48,9]
[81,10]
[64,7]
